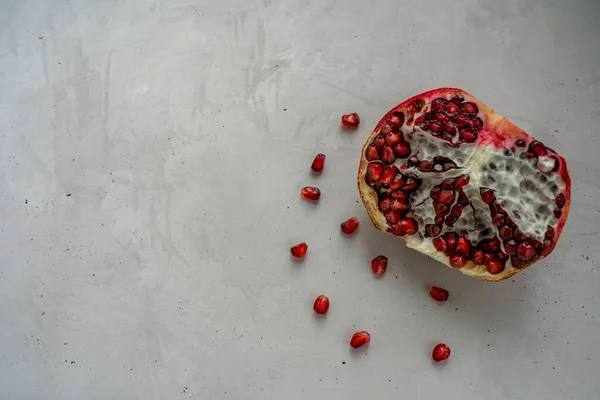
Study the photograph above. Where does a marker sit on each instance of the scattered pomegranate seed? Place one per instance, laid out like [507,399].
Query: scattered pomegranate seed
[310,193]
[350,120]
[299,250]
[379,265]
[321,305]
[359,339]
[440,352]
[439,294]
[350,226]
[318,163]
[457,261]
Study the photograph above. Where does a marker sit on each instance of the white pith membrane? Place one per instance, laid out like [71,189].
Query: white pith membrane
[524,186]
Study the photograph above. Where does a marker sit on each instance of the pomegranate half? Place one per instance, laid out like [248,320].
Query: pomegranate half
[464,185]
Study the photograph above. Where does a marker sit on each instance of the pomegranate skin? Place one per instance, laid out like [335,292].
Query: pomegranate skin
[488,133]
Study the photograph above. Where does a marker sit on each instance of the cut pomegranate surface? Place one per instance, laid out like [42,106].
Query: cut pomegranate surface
[464,185]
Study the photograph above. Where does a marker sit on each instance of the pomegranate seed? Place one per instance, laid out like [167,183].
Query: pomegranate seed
[396,230]
[387,154]
[408,225]
[446,196]
[478,257]
[461,181]
[438,220]
[451,108]
[321,305]
[468,135]
[525,251]
[457,210]
[318,163]
[435,127]
[469,108]
[520,143]
[519,236]
[371,153]
[379,265]
[510,246]
[549,233]
[438,104]
[557,213]
[410,184]
[560,201]
[350,120]
[439,294]
[440,244]
[487,257]
[495,267]
[461,120]
[388,175]
[350,226]
[396,119]
[537,148]
[447,183]
[505,232]
[488,196]
[451,219]
[359,339]
[440,352]
[425,166]
[450,239]
[502,257]
[392,217]
[457,261]
[546,247]
[379,141]
[459,98]
[402,149]
[462,246]
[385,204]
[449,129]
[517,262]
[399,195]
[499,218]
[393,138]
[462,198]
[397,182]
[432,230]
[310,193]
[375,170]
[441,117]
[400,205]
[440,209]
[476,124]
[299,250]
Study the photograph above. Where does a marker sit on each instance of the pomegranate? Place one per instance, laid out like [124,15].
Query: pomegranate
[440,352]
[359,339]
[350,226]
[321,305]
[318,163]
[379,265]
[310,193]
[350,120]
[439,294]
[464,185]
[299,250]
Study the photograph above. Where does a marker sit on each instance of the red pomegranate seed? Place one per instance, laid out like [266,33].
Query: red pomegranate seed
[396,119]
[451,239]
[499,218]
[440,352]
[375,170]
[392,217]
[469,108]
[310,193]
[388,175]
[321,305]
[457,261]
[299,250]
[385,204]
[379,265]
[350,226]
[510,246]
[359,339]
[478,257]
[461,120]
[387,154]
[459,98]
[379,141]
[318,163]
[461,181]
[440,209]
[402,149]
[350,120]
[410,184]
[400,205]
[557,213]
[440,244]
[462,246]
[560,201]
[432,230]
[447,183]
[488,196]
[537,148]
[393,138]
[462,198]
[457,210]
[505,232]
[525,251]
[371,153]
[451,108]
[549,233]
[426,165]
[468,135]
[438,104]
[495,267]
[396,230]
[408,225]
[546,247]
[446,196]
[439,294]
[520,143]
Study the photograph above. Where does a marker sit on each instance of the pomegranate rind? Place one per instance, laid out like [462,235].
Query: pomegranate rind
[497,132]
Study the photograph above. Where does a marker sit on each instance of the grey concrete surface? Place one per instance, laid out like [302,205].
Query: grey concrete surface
[151,154]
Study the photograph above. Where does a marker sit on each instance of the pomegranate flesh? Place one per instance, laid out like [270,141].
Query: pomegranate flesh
[464,185]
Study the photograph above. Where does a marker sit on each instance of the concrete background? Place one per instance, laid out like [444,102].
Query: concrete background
[151,154]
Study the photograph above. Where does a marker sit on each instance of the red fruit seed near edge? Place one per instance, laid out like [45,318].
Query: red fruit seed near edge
[310,193]
[321,305]
[318,163]
[439,294]
[350,120]
[359,339]
[350,226]
[299,250]
[379,265]
[440,352]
